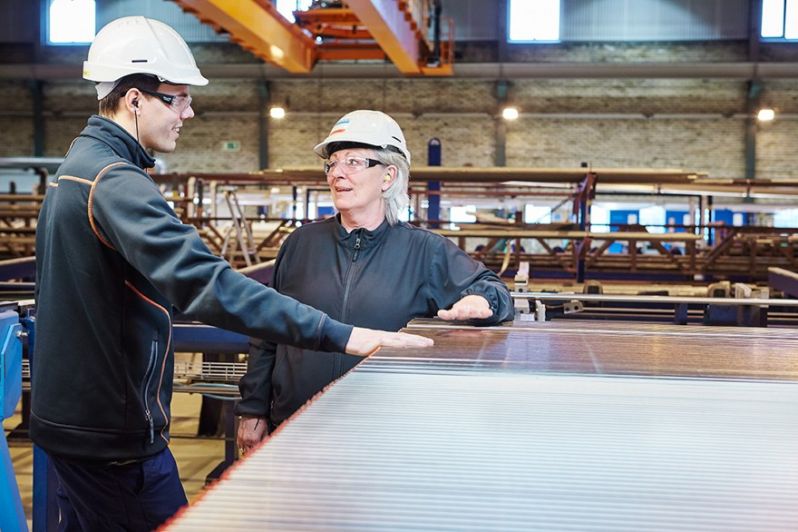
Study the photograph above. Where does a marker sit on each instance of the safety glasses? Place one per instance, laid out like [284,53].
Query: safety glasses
[350,165]
[177,102]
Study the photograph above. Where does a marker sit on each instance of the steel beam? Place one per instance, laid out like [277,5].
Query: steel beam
[783,280]
[390,27]
[257,27]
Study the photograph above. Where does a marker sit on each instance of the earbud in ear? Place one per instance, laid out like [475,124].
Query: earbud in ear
[136,104]
[387,178]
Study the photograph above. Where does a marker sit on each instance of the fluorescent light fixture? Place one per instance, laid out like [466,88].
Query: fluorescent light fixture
[510,113]
[276,52]
[766,115]
[277,112]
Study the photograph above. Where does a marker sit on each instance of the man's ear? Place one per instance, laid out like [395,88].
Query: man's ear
[132,99]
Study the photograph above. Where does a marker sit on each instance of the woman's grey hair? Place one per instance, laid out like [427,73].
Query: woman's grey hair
[395,198]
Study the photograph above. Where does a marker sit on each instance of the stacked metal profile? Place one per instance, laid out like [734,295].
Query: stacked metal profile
[544,427]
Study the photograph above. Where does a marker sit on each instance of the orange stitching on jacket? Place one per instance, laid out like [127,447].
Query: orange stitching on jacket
[76,179]
[166,352]
[94,229]
[72,144]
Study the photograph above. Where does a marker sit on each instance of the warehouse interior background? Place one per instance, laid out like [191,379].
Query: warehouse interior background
[552,122]
[646,84]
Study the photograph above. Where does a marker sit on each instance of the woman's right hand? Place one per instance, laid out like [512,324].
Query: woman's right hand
[251,430]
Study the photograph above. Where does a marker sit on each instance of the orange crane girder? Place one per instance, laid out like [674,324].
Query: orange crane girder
[258,27]
[392,28]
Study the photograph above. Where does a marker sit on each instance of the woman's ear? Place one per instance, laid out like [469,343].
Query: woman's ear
[388,178]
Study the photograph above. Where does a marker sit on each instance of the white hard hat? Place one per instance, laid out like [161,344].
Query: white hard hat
[139,45]
[373,128]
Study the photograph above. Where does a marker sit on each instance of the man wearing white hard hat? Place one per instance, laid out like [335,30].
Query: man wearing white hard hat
[112,261]
[364,267]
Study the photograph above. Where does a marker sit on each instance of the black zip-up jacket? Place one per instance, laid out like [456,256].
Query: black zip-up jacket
[382,278]
[112,260]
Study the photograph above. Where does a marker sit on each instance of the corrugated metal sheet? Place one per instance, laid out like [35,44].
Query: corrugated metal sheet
[186,25]
[484,450]
[470,435]
[474,20]
[654,20]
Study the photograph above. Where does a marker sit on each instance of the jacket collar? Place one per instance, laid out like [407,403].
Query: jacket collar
[119,140]
[367,238]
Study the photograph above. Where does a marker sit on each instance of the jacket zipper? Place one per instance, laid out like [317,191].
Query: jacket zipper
[349,273]
[147,381]
[165,355]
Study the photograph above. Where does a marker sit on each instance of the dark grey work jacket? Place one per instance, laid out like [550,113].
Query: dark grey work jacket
[381,279]
[112,259]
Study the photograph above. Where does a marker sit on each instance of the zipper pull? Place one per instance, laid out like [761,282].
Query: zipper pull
[151,426]
[357,248]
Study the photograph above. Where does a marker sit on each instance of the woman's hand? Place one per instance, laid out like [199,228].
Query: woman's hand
[471,307]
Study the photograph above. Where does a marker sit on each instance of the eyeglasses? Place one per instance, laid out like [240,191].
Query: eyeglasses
[350,165]
[177,102]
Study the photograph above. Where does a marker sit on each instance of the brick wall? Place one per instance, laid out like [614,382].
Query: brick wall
[16,127]
[466,139]
[712,145]
[684,123]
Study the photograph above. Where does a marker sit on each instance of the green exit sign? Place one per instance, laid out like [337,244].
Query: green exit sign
[231,145]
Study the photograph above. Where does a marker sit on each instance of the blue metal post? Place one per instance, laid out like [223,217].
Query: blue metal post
[434,187]
[45,507]
[12,516]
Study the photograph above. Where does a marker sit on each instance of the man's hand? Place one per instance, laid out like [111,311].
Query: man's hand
[366,342]
[471,307]
[251,430]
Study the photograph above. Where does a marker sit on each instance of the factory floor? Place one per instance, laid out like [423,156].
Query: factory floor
[196,457]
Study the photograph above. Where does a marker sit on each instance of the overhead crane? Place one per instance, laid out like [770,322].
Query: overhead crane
[356,30]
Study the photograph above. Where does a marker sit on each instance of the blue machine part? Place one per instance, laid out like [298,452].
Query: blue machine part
[621,217]
[12,516]
[434,151]
[676,218]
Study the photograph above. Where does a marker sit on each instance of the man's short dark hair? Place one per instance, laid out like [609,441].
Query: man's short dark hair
[109,104]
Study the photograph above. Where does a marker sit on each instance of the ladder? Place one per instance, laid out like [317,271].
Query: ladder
[240,229]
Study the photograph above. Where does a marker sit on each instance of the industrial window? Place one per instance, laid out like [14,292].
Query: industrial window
[71,22]
[533,20]
[287,7]
[780,19]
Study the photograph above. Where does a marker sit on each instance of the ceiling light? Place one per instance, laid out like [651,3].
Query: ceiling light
[510,113]
[766,115]
[277,112]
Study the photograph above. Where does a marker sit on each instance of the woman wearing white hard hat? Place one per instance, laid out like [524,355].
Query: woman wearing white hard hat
[112,261]
[364,267]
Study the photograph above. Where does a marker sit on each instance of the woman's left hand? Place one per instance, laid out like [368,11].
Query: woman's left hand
[471,307]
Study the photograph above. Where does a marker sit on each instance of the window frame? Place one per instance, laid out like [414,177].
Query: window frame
[781,38]
[534,41]
[46,8]
[289,17]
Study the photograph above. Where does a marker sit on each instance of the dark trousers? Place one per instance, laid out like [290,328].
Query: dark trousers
[131,497]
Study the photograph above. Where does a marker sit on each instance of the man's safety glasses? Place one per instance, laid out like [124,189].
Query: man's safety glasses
[350,165]
[178,102]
